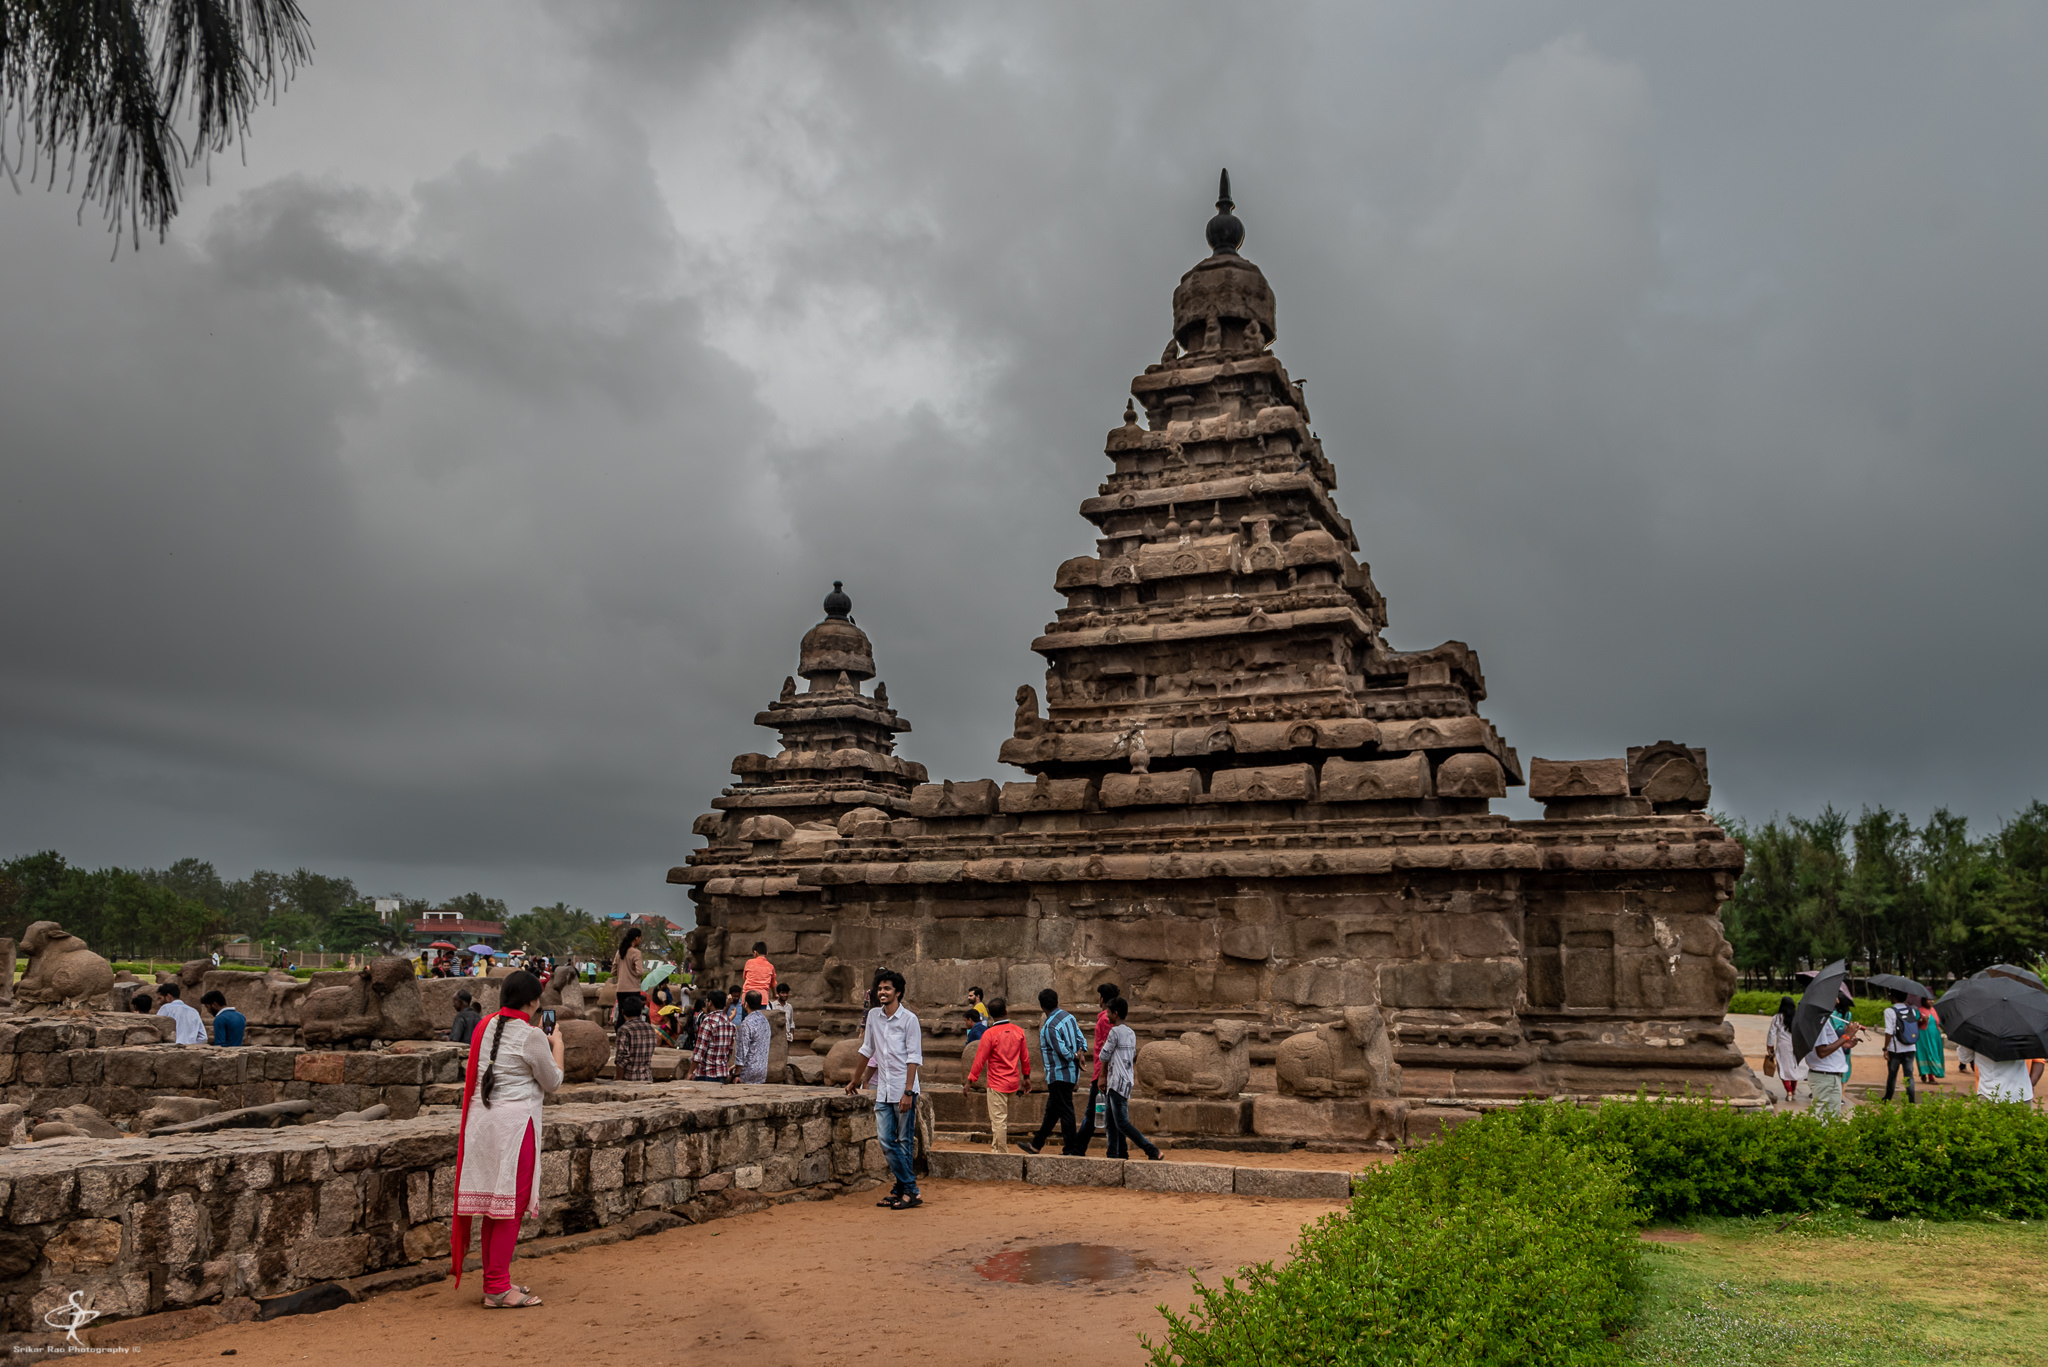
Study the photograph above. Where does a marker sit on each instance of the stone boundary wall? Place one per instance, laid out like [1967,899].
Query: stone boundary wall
[119,1081]
[149,1225]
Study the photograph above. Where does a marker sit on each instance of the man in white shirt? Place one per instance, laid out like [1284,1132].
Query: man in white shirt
[2005,1080]
[1827,1065]
[1901,1046]
[893,1046]
[191,1028]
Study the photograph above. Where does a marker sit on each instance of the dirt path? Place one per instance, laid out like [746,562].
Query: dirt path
[813,1283]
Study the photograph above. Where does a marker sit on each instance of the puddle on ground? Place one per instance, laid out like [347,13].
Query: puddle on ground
[1063,1264]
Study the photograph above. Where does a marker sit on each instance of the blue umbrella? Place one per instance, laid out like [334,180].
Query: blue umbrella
[479,949]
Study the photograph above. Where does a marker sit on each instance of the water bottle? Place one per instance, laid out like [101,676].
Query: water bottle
[1101,1111]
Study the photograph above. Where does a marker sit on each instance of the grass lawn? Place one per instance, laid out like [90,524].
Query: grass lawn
[1840,1291]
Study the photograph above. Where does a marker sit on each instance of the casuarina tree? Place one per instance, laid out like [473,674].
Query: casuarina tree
[121,97]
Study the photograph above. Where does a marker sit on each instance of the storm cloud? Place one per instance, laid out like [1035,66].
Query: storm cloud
[439,504]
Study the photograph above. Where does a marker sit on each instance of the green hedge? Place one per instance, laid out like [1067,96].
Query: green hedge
[1942,1160]
[1869,1010]
[1497,1245]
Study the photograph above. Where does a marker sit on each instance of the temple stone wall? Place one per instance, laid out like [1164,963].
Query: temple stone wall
[147,1225]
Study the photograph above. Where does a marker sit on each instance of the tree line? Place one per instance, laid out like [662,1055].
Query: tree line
[188,908]
[1929,901]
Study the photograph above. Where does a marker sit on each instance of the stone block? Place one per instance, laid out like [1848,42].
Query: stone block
[1175,787]
[84,1245]
[1471,775]
[340,1202]
[1471,984]
[426,1241]
[977,1167]
[1279,783]
[168,1230]
[1377,780]
[329,1260]
[1377,1121]
[325,1068]
[1553,780]
[1050,1170]
[1215,1178]
[179,1070]
[41,1197]
[556,1172]
[1046,795]
[1023,983]
[1294,1183]
[973,797]
[1431,1122]
[607,1169]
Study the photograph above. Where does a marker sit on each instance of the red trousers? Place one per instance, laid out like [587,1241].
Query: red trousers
[501,1236]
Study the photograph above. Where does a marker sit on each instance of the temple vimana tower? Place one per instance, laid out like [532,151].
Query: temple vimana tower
[1242,804]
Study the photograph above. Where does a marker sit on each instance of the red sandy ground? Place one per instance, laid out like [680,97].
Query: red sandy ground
[824,1283]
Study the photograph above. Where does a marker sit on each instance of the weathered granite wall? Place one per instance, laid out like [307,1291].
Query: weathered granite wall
[146,1225]
[37,1072]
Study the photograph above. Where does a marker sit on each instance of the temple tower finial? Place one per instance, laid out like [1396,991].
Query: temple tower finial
[1226,234]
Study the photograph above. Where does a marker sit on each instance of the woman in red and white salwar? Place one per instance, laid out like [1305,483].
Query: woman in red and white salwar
[512,1065]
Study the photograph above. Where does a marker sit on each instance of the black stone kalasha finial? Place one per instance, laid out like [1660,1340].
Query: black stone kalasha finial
[1226,234]
[837,604]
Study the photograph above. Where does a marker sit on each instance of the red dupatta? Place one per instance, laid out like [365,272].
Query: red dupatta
[458,1232]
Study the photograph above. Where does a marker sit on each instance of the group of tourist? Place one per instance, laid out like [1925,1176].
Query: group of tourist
[730,1034]
[1004,1055]
[1912,1047]
[189,1026]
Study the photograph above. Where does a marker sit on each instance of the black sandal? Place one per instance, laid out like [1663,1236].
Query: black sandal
[907,1203]
[893,1201]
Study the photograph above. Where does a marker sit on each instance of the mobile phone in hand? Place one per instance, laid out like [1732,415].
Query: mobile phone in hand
[547,1021]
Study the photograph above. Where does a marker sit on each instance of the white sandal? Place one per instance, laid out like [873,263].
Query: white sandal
[524,1299]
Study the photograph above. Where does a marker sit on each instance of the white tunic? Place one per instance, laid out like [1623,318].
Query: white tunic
[493,1135]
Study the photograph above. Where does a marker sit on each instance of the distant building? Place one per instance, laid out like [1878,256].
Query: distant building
[456,929]
[388,909]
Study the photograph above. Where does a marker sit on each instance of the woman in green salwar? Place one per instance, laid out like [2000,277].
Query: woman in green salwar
[1931,1058]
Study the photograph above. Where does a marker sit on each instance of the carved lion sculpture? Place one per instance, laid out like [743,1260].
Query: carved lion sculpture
[564,995]
[1350,1057]
[382,1003]
[1212,1061]
[62,972]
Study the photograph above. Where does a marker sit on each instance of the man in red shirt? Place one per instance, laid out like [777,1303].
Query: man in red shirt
[1006,1057]
[1104,1023]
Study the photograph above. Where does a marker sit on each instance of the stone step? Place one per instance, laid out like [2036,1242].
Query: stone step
[1140,1174]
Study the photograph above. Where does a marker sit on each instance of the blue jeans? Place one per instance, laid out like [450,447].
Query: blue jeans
[897,1131]
[1121,1129]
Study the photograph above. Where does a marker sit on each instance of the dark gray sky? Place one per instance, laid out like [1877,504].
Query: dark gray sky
[441,502]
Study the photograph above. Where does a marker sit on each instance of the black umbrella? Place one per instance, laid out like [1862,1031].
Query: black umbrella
[2001,1018]
[1815,1005]
[2016,974]
[1892,982]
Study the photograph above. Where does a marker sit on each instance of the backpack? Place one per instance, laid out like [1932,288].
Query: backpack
[1906,1025]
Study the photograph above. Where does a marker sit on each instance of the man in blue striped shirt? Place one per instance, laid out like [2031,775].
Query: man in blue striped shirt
[1061,1046]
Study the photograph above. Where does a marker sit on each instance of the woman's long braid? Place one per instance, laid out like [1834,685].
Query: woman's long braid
[491,1063]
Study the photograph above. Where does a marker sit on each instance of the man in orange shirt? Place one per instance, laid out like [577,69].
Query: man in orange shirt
[760,974]
[1006,1057]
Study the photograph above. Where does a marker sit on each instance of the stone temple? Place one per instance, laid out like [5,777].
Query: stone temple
[1242,804]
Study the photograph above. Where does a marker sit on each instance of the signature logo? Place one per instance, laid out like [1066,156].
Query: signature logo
[72,1316]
